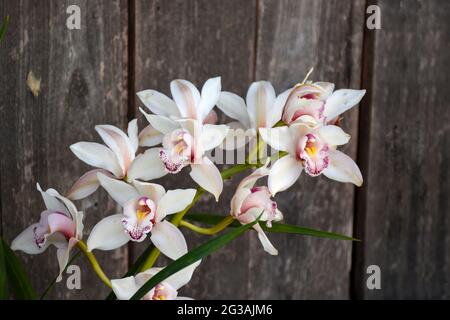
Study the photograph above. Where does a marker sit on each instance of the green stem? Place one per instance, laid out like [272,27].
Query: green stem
[93,260]
[208,231]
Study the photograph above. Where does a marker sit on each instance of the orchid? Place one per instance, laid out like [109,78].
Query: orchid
[316,103]
[262,109]
[145,205]
[312,149]
[117,159]
[60,225]
[250,201]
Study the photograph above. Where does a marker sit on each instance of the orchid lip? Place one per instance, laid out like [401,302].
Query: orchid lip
[313,154]
[141,220]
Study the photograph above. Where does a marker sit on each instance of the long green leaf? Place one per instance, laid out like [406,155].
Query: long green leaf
[276,227]
[3,27]
[191,257]
[18,281]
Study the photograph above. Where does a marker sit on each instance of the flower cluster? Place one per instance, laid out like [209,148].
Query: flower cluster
[302,123]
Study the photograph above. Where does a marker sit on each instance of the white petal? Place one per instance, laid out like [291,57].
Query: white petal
[283,174]
[278,138]
[51,202]
[183,276]
[108,234]
[207,176]
[275,112]
[333,135]
[234,107]
[169,240]
[158,103]
[150,137]
[174,201]
[238,136]
[213,135]
[147,166]
[342,100]
[151,190]
[63,255]
[120,191]
[186,97]
[124,288]
[133,134]
[160,123]
[343,169]
[119,143]
[86,185]
[327,87]
[210,95]
[260,98]
[25,242]
[97,155]
[267,245]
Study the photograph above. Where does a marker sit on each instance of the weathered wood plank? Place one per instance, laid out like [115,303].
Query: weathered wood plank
[405,222]
[196,40]
[83,83]
[292,37]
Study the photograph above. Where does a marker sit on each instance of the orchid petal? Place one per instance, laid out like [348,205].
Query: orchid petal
[133,134]
[210,95]
[267,245]
[86,185]
[168,239]
[151,190]
[207,176]
[25,241]
[182,277]
[211,118]
[278,138]
[174,201]
[158,103]
[213,135]
[147,166]
[327,87]
[333,135]
[342,168]
[119,143]
[234,107]
[60,223]
[276,110]
[120,191]
[97,155]
[186,97]
[283,174]
[260,99]
[160,123]
[63,255]
[342,100]
[150,137]
[108,234]
[124,288]
[51,202]
[237,137]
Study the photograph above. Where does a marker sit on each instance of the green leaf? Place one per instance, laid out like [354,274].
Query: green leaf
[3,27]
[276,227]
[191,257]
[18,281]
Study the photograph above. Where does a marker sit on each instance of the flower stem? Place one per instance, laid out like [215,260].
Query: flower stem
[93,260]
[208,231]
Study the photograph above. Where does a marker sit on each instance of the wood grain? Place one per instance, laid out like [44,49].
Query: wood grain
[404,206]
[196,40]
[294,36]
[83,83]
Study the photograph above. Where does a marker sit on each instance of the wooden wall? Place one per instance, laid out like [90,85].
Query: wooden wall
[400,132]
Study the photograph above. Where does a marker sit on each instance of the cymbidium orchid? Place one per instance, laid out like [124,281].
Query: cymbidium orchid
[262,109]
[250,202]
[316,103]
[186,136]
[60,225]
[117,159]
[312,148]
[145,205]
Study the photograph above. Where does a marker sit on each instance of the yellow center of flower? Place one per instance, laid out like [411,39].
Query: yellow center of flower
[311,150]
[141,214]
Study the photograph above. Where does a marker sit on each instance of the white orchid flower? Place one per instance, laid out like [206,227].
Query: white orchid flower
[250,201]
[311,148]
[316,103]
[117,159]
[145,205]
[60,225]
[263,110]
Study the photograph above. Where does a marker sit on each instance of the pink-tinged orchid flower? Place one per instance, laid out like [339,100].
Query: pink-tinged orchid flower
[316,103]
[263,110]
[250,201]
[311,148]
[125,288]
[117,159]
[60,225]
[145,205]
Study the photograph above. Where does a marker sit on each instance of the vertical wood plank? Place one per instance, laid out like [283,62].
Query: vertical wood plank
[83,83]
[403,210]
[292,37]
[196,40]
